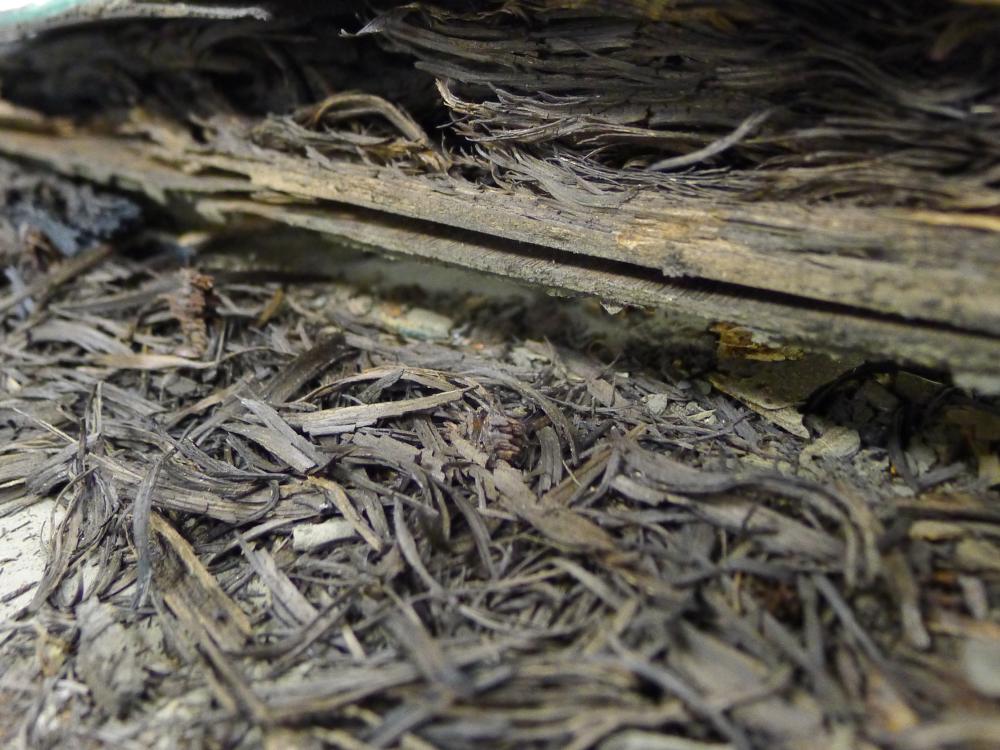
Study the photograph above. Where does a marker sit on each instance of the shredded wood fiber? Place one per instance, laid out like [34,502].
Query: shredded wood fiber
[873,103]
[824,173]
[282,519]
[285,527]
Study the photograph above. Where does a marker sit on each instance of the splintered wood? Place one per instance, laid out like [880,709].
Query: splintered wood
[419,509]
[815,173]
[317,532]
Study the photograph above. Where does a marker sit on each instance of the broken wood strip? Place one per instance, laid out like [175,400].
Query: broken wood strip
[349,418]
[408,546]
[230,685]
[278,389]
[480,533]
[274,444]
[65,272]
[85,336]
[291,648]
[302,369]
[580,478]
[142,509]
[343,503]
[64,543]
[289,603]
[748,246]
[273,420]
[193,594]
[151,362]
[185,500]
[420,376]
[776,531]
[968,354]
[562,525]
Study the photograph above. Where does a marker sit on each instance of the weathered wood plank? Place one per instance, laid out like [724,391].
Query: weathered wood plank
[971,356]
[885,261]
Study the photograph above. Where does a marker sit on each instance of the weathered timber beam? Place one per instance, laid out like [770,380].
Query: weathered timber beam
[595,253]
[971,356]
[938,268]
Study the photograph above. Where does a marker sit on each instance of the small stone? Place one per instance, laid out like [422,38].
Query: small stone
[657,403]
[416,322]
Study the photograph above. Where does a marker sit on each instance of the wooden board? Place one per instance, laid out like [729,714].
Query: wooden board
[715,266]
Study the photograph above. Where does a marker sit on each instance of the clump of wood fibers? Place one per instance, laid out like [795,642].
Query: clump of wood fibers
[872,103]
[279,525]
[822,173]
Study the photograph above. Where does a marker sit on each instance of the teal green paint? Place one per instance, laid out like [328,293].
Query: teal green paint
[38,11]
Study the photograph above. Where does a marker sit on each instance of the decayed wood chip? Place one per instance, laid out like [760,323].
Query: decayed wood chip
[302,369]
[637,739]
[837,442]
[275,443]
[150,362]
[776,532]
[188,500]
[81,334]
[62,275]
[780,411]
[64,543]
[886,706]
[142,509]
[561,525]
[391,374]
[581,479]
[308,537]
[408,546]
[193,594]
[978,555]
[343,503]
[906,591]
[280,388]
[384,445]
[981,664]
[727,676]
[426,653]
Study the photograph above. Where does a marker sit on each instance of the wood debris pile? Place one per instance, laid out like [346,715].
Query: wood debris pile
[857,103]
[288,512]
[276,524]
[824,173]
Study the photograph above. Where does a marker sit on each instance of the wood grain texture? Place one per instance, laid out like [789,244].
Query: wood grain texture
[887,283]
